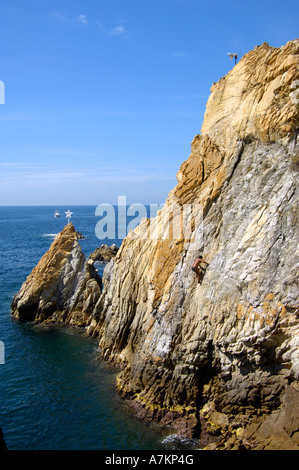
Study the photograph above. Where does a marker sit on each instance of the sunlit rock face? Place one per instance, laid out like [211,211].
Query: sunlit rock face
[213,358]
[63,287]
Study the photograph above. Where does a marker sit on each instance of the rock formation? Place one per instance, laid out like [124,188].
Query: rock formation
[218,360]
[80,236]
[104,253]
[63,287]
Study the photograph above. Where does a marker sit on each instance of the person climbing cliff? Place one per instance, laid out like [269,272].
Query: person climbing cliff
[198,269]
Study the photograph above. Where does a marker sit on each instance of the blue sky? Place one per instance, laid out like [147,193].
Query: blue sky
[103,97]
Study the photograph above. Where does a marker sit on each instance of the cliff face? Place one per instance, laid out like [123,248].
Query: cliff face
[222,354]
[218,359]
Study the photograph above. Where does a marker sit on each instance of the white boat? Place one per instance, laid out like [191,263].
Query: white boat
[57,214]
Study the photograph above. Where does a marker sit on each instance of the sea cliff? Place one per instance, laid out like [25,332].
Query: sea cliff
[63,287]
[217,360]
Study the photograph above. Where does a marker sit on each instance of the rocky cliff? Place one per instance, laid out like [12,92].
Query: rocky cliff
[218,360]
[63,287]
[216,357]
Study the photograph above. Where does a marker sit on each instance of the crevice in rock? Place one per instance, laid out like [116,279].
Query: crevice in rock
[206,373]
[237,158]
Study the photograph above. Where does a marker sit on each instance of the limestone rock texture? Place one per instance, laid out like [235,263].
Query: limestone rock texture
[63,287]
[219,360]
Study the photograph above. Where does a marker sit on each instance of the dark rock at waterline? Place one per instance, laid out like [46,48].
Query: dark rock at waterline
[2,442]
[104,253]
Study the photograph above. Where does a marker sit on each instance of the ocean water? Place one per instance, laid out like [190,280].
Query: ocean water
[55,394]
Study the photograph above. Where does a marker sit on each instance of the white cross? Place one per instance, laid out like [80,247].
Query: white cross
[68,214]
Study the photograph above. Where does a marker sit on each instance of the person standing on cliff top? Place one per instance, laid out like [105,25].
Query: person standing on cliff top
[198,269]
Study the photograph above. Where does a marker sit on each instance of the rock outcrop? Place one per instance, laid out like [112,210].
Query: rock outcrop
[104,253]
[63,287]
[217,360]
[80,236]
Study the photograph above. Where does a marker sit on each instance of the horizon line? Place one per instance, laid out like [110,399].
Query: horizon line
[78,205]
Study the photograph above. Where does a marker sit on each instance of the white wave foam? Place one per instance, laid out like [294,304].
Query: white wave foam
[175,441]
[50,235]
